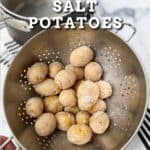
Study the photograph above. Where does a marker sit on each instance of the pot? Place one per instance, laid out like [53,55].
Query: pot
[16,14]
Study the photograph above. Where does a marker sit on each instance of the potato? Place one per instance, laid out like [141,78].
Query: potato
[52,104]
[47,88]
[54,68]
[79,134]
[68,98]
[37,73]
[45,124]
[77,84]
[34,107]
[120,118]
[81,56]
[93,71]
[99,106]
[64,120]
[72,110]
[87,93]
[105,89]
[82,117]
[65,79]
[77,70]
[99,122]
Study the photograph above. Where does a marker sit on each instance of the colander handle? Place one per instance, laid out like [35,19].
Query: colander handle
[132,27]
[10,139]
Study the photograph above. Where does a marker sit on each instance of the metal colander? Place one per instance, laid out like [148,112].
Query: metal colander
[121,68]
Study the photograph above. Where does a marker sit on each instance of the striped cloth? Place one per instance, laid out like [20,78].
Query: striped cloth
[8,50]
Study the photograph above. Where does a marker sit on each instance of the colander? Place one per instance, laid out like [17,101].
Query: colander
[121,68]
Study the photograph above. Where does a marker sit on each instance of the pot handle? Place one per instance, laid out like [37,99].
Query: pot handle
[10,139]
[133,30]
[6,15]
[84,4]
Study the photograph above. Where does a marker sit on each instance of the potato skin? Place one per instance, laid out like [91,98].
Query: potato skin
[68,98]
[64,120]
[52,104]
[47,88]
[37,73]
[54,68]
[79,71]
[9,146]
[79,134]
[93,71]
[81,56]
[105,89]
[34,107]
[82,117]
[77,84]
[45,124]
[100,105]
[99,122]
[65,79]
[87,93]
[73,110]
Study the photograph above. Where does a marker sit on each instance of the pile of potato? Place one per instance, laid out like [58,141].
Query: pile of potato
[72,97]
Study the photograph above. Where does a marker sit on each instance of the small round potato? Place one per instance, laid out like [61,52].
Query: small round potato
[79,134]
[72,110]
[52,104]
[77,84]
[82,117]
[34,107]
[81,56]
[37,73]
[64,120]
[105,89]
[87,93]
[93,71]
[45,124]
[77,70]
[120,118]
[47,88]
[54,68]
[99,106]
[68,98]
[88,88]
[65,79]
[99,122]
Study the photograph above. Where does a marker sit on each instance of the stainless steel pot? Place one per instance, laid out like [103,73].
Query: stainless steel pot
[122,69]
[16,14]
